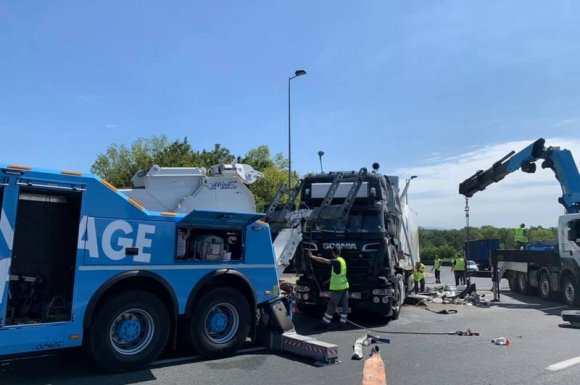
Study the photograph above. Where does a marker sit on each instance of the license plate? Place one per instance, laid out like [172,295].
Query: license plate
[339,310]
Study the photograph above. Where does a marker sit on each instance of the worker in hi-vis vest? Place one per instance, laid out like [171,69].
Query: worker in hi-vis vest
[521,237]
[419,277]
[459,269]
[437,268]
[338,288]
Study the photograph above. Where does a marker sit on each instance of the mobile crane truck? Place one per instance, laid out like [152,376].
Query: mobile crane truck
[548,271]
[364,214]
[82,263]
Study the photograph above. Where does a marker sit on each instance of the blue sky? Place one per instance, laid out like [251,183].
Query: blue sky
[406,84]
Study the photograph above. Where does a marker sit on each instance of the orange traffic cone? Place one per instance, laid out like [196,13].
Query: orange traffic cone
[374,370]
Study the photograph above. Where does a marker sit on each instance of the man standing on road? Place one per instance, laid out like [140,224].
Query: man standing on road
[338,288]
[459,269]
[521,237]
[419,276]
[437,268]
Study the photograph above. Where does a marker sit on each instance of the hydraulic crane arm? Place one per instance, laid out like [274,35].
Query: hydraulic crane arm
[559,160]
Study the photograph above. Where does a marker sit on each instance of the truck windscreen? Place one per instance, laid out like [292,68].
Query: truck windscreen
[356,222]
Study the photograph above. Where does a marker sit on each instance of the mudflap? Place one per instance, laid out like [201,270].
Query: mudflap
[276,332]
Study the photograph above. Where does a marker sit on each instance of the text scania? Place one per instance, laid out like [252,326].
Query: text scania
[341,245]
[116,237]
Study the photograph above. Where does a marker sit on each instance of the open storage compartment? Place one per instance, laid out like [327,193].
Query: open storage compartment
[44,256]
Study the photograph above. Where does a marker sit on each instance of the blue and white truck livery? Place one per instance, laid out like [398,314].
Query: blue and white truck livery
[82,263]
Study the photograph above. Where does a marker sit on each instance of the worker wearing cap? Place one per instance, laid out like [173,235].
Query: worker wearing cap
[419,277]
[521,237]
[459,269]
[338,288]
[437,268]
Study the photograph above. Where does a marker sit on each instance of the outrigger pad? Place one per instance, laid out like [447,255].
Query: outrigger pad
[572,316]
[274,317]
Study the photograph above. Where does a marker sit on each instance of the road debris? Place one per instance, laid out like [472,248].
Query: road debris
[366,340]
[448,295]
[500,341]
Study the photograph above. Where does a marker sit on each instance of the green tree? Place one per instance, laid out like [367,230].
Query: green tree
[119,162]
[259,158]
[218,155]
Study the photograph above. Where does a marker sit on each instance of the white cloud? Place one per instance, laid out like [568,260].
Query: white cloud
[520,197]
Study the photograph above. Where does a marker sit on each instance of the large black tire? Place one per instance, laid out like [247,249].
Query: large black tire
[570,291]
[545,286]
[513,283]
[219,322]
[129,331]
[523,284]
[399,297]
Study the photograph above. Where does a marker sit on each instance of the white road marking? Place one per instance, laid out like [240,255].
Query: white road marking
[564,364]
[194,358]
[554,308]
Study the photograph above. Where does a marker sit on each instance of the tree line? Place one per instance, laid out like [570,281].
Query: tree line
[448,243]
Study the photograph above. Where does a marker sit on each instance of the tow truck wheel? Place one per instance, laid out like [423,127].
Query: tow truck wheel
[219,322]
[570,291]
[129,331]
[545,286]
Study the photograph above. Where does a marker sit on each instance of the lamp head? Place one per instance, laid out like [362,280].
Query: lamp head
[300,73]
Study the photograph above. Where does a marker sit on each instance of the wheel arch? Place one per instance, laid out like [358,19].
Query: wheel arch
[222,277]
[134,280]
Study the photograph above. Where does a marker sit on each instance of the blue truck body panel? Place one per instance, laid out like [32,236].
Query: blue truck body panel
[113,236]
[479,251]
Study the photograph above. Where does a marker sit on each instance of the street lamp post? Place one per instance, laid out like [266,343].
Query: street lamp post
[296,74]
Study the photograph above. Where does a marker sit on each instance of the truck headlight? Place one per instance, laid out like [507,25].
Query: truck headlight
[376,300]
[305,296]
[355,295]
[385,299]
[381,291]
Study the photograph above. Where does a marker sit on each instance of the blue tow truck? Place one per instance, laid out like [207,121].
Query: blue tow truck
[83,264]
[553,270]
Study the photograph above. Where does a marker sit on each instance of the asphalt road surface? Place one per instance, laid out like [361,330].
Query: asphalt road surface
[539,353]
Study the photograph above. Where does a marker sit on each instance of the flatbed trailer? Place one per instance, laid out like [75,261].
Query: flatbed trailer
[528,270]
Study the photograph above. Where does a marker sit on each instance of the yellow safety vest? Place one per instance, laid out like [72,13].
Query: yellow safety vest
[339,282]
[419,274]
[459,264]
[521,235]
[437,264]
